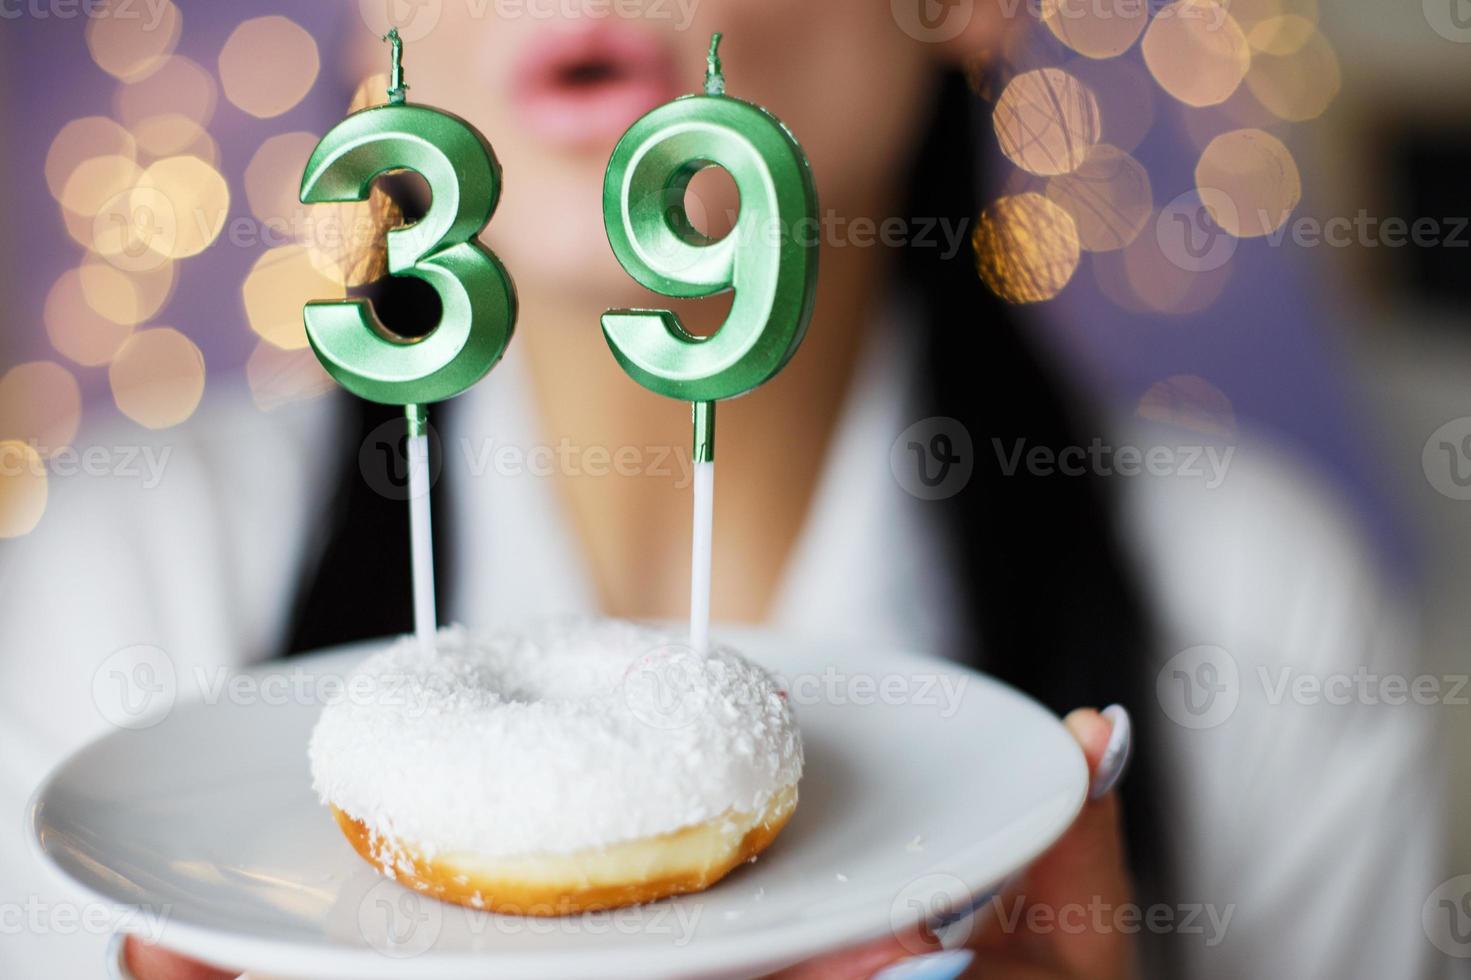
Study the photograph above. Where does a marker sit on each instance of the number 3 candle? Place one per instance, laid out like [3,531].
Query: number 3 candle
[764,259]
[478,298]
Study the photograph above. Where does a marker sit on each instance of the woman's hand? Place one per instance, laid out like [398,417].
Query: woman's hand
[147,962]
[1083,870]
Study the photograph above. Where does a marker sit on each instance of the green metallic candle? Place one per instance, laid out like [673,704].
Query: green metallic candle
[478,297]
[766,258]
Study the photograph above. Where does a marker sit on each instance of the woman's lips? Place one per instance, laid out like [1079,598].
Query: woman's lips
[587,87]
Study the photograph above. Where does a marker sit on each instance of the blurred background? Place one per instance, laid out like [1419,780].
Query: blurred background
[1253,221]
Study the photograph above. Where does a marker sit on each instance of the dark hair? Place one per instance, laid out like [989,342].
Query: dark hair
[1053,597]
[1051,593]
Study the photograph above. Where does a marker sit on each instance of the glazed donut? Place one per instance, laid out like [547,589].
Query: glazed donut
[574,766]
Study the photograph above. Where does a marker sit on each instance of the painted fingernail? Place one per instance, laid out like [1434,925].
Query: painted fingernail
[1116,756]
[946,965]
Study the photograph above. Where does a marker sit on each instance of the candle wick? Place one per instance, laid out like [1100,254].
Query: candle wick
[397,89]
[714,74]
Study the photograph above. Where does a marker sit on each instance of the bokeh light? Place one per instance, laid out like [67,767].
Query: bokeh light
[1159,283]
[96,182]
[175,134]
[1047,121]
[1197,52]
[1189,402]
[279,377]
[1240,111]
[1281,35]
[111,292]
[1256,173]
[273,181]
[76,330]
[1276,26]
[178,87]
[1299,85]
[23,488]
[282,281]
[1096,29]
[133,231]
[40,404]
[1026,248]
[130,41]
[1109,198]
[268,65]
[189,200]
[1113,282]
[157,378]
[126,297]
[1125,95]
[81,140]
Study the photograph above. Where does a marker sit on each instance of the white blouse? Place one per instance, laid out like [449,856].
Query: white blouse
[1307,833]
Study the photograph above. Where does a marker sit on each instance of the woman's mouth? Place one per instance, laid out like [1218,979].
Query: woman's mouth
[586,87]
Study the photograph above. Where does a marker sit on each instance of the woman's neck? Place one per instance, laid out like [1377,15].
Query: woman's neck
[634,521]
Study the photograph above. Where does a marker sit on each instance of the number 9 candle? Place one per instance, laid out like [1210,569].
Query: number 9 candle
[764,259]
[476,293]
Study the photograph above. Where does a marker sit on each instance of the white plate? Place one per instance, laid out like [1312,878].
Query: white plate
[925,786]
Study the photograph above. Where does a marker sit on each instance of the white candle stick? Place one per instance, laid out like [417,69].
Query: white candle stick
[700,556]
[421,542]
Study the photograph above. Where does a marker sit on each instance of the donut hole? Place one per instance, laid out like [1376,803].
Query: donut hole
[520,673]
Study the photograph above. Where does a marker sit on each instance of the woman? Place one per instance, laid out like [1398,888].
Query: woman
[1031,576]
